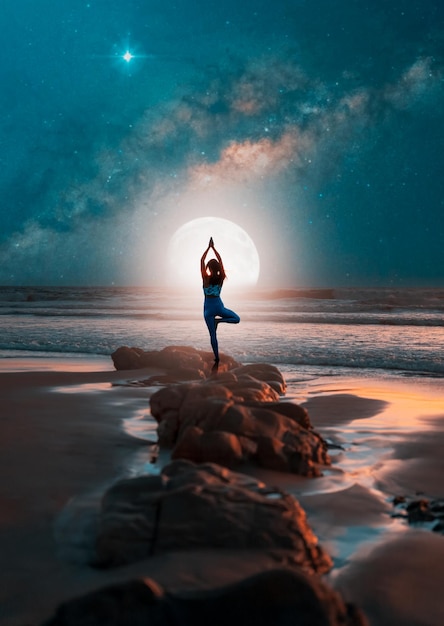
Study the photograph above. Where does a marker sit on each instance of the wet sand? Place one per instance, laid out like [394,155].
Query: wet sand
[62,441]
[392,447]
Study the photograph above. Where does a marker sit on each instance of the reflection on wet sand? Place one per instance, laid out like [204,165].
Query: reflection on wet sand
[390,569]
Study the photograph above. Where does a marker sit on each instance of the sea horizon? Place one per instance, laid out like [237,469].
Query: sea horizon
[379,330]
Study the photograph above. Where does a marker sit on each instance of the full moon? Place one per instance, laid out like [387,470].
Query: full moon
[237,249]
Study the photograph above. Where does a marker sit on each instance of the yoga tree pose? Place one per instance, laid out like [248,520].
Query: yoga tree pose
[213,276]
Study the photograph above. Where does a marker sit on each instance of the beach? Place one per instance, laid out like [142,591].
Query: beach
[62,437]
[65,437]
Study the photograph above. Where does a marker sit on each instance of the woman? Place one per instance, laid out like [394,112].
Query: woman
[213,276]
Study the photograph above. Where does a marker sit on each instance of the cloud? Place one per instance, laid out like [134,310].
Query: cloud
[316,117]
[415,83]
[243,128]
[244,161]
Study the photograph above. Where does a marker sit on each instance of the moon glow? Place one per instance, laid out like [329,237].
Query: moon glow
[237,249]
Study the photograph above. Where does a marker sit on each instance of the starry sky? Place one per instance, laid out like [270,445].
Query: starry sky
[315,125]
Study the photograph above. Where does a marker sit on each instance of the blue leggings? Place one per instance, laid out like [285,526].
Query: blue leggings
[214,308]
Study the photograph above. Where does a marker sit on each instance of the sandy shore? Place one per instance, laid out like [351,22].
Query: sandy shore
[62,442]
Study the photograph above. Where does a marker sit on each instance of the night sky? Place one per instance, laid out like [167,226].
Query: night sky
[317,126]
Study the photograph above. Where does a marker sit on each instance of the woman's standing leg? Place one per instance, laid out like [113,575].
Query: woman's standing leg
[211,324]
[214,314]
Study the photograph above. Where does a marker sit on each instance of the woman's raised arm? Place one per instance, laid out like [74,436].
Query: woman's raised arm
[219,258]
[203,271]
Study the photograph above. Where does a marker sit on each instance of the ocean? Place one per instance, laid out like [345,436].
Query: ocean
[324,341]
[331,331]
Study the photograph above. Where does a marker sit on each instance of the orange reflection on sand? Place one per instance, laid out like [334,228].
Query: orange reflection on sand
[82,388]
[404,405]
[141,426]
[411,405]
[387,436]
[56,364]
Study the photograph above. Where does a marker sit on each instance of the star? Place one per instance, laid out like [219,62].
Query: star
[127,56]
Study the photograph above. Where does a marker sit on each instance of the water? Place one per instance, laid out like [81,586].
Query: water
[325,343]
[375,331]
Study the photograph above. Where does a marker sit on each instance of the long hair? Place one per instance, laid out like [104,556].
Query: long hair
[217,275]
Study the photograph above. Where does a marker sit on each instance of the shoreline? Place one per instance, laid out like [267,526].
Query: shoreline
[63,438]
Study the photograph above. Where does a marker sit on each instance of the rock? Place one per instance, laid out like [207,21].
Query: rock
[192,506]
[266,372]
[240,403]
[248,389]
[425,510]
[277,597]
[421,511]
[398,500]
[135,603]
[168,429]
[216,447]
[125,358]
[168,398]
[270,454]
[197,400]
[179,362]
[258,428]
[293,411]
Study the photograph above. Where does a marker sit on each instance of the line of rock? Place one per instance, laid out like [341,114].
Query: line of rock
[215,422]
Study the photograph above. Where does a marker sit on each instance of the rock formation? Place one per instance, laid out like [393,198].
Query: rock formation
[214,421]
[277,597]
[237,417]
[192,506]
[179,362]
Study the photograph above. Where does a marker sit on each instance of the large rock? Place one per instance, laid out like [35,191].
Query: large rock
[214,447]
[190,507]
[236,418]
[264,372]
[180,362]
[277,597]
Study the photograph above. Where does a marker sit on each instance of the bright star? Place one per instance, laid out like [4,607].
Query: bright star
[127,56]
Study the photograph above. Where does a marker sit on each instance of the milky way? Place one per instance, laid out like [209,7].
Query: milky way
[317,129]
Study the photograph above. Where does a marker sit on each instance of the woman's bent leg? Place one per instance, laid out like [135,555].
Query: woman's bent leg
[227,316]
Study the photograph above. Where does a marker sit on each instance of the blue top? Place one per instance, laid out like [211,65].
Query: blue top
[212,290]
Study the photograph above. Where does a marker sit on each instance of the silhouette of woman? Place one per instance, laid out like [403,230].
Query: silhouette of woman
[213,276]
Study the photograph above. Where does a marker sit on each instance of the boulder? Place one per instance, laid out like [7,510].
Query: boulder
[125,358]
[179,362]
[270,453]
[252,424]
[266,372]
[248,389]
[215,446]
[293,411]
[189,507]
[277,597]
